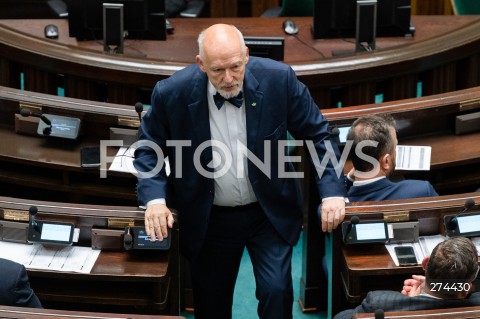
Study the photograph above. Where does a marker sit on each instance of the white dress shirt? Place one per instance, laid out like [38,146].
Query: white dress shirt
[228,128]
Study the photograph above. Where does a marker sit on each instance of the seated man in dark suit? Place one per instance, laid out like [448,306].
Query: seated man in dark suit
[374,162]
[15,289]
[453,263]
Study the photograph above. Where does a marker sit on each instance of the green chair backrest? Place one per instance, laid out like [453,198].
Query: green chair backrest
[466,6]
[299,8]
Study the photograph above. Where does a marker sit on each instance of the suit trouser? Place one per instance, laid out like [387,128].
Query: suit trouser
[215,271]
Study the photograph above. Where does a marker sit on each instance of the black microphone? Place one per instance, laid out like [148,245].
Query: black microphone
[335,131]
[127,239]
[353,221]
[453,222]
[33,210]
[27,113]
[379,314]
[336,134]
[139,110]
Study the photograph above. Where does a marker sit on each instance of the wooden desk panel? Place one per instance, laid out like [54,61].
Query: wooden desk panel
[453,313]
[32,313]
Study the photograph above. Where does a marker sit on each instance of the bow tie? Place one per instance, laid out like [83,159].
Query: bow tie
[220,100]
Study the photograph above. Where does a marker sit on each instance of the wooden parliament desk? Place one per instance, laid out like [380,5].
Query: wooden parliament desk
[42,168]
[443,55]
[50,169]
[133,281]
[428,121]
[454,313]
[32,313]
[363,268]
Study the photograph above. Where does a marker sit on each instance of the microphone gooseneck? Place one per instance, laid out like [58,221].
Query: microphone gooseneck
[32,211]
[27,113]
[453,222]
[353,221]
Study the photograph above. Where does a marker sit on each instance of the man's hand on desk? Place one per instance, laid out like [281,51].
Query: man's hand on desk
[157,218]
[333,213]
[412,287]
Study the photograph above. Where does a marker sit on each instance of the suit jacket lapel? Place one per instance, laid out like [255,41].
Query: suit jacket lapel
[198,110]
[254,109]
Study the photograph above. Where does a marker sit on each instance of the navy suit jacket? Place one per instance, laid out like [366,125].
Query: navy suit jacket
[385,189]
[14,286]
[275,102]
[388,301]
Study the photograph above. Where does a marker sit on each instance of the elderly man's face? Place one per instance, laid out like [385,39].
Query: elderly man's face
[224,64]
[226,74]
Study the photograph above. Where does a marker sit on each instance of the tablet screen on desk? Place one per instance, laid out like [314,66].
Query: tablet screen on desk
[342,137]
[468,224]
[370,231]
[365,232]
[51,233]
[56,232]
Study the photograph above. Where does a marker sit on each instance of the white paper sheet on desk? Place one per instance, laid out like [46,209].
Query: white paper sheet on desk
[422,248]
[59,258]
[123,161]
[413,158]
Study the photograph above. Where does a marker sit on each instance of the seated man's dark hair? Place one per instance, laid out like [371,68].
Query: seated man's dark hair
[374,128]
[454,259]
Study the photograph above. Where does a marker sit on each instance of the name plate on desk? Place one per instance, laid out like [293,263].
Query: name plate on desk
[405,232]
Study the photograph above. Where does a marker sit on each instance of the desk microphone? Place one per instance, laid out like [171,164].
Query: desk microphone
[139,110]
[27,113]
[47,130]
[33,223]
[452,224]
[353,221]
[336,134]
[379,314]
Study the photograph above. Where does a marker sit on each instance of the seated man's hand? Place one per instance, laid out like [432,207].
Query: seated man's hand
[412,287]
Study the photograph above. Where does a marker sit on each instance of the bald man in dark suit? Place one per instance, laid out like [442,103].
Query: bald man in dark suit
[15,288]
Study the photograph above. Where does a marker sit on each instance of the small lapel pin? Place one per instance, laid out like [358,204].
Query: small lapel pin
[254,104]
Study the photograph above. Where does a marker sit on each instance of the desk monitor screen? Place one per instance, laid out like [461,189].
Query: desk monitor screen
[337,18]
[467,225]
[266,47]
[142,19]
[53,233]
[365,232]
[61,126]
[342,137]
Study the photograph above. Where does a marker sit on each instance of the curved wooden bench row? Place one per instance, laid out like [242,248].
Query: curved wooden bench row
[443,55]
[454,313]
